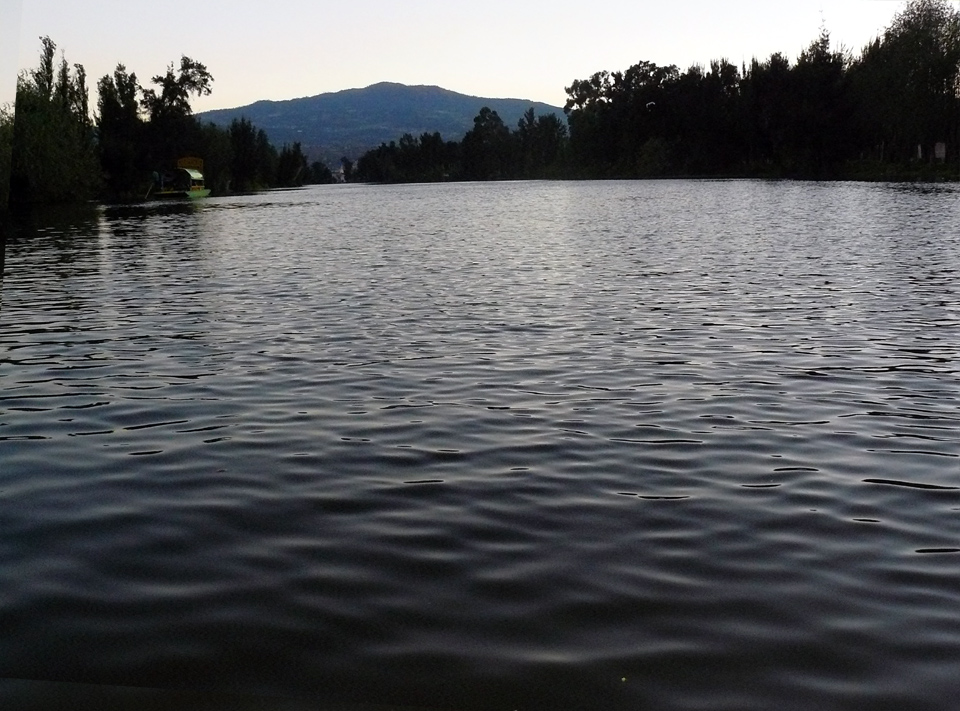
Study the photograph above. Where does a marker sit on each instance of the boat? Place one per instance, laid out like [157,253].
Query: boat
[186,181]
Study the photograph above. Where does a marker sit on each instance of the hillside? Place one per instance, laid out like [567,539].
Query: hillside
[351,122]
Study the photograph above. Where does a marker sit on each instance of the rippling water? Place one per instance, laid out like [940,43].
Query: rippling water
[667,445]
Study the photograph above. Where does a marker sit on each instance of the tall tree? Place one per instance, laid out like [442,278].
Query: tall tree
[176,87]
[53,156]
[243,165]
[767,106]
[172,129]
[120,131]
[540,140]
[906,83]
[6,144]
[824,135]
[291,167]
[487,150]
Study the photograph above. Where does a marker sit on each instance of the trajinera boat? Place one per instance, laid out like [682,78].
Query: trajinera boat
[186,181]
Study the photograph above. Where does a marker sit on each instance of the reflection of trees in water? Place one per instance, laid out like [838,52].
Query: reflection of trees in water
[148,231]
[119,215]
[925,188]
[3,246]
[72,232]
[88,243]
[35,222]
[69,232]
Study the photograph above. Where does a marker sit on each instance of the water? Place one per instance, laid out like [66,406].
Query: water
[667,445]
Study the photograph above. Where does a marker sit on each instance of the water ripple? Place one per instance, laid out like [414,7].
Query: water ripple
[530,445]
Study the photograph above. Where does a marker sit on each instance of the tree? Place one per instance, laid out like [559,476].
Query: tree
[822,133]
[120,131]
[487,148]
[923,46]
[612,118]
[768,112]
[176,86]
[243,164]
[266,160]
[291,167]
[320,174]
[53,157]
[217,152]
[43,75]
[58,153]
[540,140]
[589,112]
[172,130]
[905,83]
[6,143]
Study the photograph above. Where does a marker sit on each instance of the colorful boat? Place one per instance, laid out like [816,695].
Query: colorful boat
[186,181]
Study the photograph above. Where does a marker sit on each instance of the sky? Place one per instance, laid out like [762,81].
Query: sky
[492,48]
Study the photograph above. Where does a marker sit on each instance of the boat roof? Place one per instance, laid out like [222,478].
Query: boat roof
[190,162]
[195,174]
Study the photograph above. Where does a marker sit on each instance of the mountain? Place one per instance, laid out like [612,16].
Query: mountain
[351,122]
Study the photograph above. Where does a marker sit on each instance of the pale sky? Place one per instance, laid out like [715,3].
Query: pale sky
[492,48]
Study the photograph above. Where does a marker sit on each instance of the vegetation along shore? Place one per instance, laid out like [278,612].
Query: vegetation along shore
[890,112]
[60,151]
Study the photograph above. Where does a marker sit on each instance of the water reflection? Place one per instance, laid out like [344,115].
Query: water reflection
[535,445]
[59,221]
[935,189]
[144,211]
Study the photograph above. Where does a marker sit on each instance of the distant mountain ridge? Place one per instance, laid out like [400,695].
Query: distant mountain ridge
[352,121]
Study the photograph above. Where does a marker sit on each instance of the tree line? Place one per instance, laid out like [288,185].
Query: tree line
[489,151]
[891,112]
[55,149]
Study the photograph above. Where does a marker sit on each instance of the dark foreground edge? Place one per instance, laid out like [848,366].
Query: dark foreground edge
[28,695]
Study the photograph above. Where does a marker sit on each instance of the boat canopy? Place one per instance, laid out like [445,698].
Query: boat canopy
[191,163]
[194,174]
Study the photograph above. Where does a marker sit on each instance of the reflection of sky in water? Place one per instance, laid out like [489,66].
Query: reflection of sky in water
[498,442]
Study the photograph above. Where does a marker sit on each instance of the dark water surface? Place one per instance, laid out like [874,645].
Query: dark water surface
[665,445]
